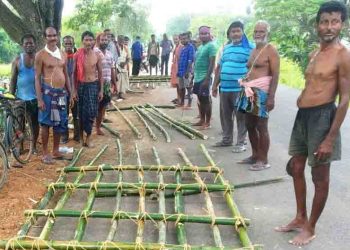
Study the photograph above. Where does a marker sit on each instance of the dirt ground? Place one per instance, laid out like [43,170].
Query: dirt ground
[25,186]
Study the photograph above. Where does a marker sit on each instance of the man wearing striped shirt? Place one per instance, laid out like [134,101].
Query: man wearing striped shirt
[232,67]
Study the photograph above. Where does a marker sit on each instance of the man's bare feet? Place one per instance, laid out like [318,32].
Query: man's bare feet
[304,237]
[99,132]
[186,107]
[198,124]
[205,126]
[57,155]
[294,225]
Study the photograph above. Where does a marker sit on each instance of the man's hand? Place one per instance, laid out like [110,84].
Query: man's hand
[122,64]
[270,104]
[214,91]
[113,89]
[100,96]
[324,151]
[41,104]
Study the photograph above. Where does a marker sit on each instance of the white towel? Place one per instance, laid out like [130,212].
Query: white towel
[55,54]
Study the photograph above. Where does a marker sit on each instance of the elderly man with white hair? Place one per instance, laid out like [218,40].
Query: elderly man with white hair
[258,96]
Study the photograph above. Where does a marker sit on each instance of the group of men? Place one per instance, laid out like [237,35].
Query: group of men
[51,82]
[246,78]
[244,74]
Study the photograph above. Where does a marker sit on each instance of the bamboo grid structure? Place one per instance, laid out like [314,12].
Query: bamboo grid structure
[237,222]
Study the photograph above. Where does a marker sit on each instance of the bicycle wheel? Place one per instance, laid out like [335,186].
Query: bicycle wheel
[22,134]
[4,165]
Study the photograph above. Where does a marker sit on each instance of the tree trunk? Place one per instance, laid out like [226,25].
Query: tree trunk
[19,17]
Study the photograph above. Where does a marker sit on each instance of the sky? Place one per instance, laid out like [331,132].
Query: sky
[163,10]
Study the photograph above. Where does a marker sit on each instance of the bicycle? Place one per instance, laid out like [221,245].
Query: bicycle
[16,132]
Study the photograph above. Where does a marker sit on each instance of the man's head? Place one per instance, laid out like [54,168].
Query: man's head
[126,40]
[165,36]
[185,38]
[330,19]
[138,38]
[236,31]
[68,44]
[109,34]
[102,41]
[261,32]
[120,40]
[28,42]
[176,39]
[51,36]
[153,37]
[88,39]
[204,34]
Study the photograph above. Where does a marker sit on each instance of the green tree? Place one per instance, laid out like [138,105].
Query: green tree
[292,25]
[178,24]
[8,49]
[18,17]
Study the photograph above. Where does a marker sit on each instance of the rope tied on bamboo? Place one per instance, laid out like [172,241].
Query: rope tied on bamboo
[69,187]
[179,217]
[100,168]
[120,186]
[85,214]
[161,187]
[220,173]
[31,217]
[117,215]
[228,188]
[239,222]
[14,243]
[52,187]
[195,169]
[82,170]
[107,243]
[50,213]
[160,169]
[93,186]
[212,215]
[187,246]
[74,244]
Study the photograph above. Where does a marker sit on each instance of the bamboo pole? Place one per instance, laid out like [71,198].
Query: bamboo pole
[122,215]
[180,124]
[237,186]
[209,203]
[162,208]
[142,191]
[173,125]
[48,195]
[107,245]
[155,123]
[139,106]
[127,192]
[150,185]
[64,198]
[150,131]
[241,229]
[179,209]
[110,130]
[132,126]
[118,195]
[107,167]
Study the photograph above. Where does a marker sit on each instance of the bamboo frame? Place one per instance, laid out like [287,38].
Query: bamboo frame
[142,203]
[209,203]
[241,228]
[64,198]
[139,106]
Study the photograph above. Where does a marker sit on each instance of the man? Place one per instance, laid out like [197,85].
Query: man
[174,80]
[69,48]
[88,62]
[258,98]
[122,68]
[184,69]
[153,54]
[108,75]
[51,85]
[22,83]
[232,66]
[316,132]
[126,44]
[167,47]
[111,44]
[203,70]
[136,54]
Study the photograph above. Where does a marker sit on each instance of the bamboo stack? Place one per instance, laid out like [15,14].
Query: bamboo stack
[149,129]
[131,125]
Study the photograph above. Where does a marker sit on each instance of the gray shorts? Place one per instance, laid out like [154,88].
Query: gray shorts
[311,127]
[184,83]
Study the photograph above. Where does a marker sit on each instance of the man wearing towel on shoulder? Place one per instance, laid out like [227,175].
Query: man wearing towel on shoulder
[51,85]
[258,96]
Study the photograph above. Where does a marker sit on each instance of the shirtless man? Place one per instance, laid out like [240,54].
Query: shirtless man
[87,62]
[51,85]
[316,133]
[258,97]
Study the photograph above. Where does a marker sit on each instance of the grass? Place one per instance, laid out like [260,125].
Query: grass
[291,74]
[5,70]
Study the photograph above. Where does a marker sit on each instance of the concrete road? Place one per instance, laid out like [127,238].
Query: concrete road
[267,206]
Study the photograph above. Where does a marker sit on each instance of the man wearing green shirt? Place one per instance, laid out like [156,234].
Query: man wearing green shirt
[203,70]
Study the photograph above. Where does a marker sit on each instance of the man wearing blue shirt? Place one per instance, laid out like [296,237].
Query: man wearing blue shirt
[136,53]
[232,67]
